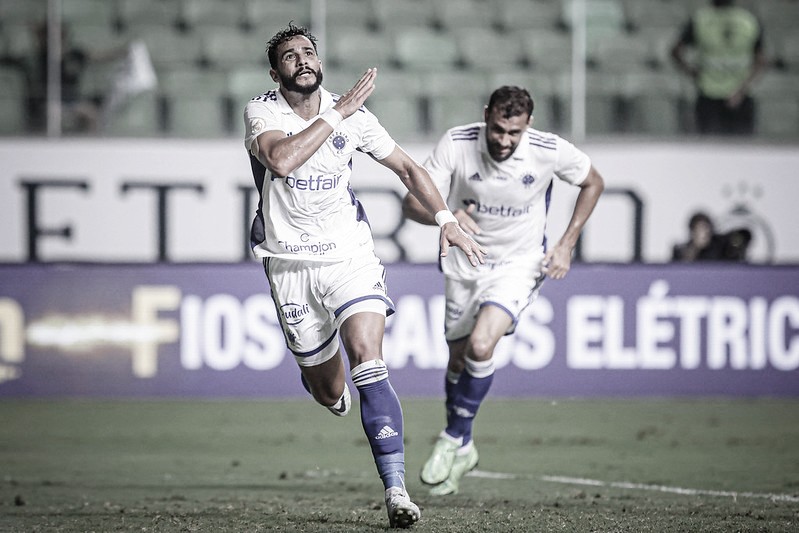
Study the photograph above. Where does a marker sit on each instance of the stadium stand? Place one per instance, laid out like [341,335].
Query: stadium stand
[426,51]
[195,103]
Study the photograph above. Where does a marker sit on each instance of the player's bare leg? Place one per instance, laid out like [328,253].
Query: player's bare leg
[327,384]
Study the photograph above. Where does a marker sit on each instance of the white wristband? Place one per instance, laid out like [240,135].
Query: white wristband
[445,216]
[332,117]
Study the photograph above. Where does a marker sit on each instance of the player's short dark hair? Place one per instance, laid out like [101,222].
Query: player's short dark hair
[700,217]
[511,101]
[284,35]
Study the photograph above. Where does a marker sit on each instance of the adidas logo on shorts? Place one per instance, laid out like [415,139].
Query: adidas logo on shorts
[386,433]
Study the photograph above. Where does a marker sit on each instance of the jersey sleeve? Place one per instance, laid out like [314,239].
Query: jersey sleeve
[258,118]
[441,164]
[375,139]
[573,164]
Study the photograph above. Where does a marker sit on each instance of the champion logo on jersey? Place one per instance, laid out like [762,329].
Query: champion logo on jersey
[386,433]
[475,177]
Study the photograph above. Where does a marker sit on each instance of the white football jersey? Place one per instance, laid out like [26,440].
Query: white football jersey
[511,197]
[312,214]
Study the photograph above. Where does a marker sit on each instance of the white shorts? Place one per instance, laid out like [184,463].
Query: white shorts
[314,298]
[509,286]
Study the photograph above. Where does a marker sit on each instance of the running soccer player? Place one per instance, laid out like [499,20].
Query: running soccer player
[317,247]
[497,176]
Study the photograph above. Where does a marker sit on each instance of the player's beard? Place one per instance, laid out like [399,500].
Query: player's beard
[495,151]
[290,82]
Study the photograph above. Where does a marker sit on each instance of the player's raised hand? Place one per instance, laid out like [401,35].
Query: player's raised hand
[453,235]
[466,221]
[353,99]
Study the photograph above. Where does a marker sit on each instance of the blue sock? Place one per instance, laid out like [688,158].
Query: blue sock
[470,391]
[381,417]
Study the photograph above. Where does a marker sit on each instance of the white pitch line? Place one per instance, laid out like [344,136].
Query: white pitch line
[566,480]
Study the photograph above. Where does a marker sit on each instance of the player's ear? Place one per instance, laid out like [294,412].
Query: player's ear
[273,75]
[530,121]
[485,114]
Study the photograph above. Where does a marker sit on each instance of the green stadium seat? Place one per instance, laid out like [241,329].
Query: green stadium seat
[168,47]
[138,117]
[22,12]
[195,103]
[357,48]
[345,15]
[645,15]
[404,14]
[424,48]
[463,14]
[777,105]
[92,12]
[207,15]
[528,15]
[454,109]
[131,14]
[399,113]
[245,83]
[547,50]
[486,48]
[12,101]
[230,48]
[654,101]
[603,103]
[603,18]
[620,53]
[266,18]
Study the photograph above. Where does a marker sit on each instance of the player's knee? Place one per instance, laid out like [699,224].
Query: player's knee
[481,348]
[327,393]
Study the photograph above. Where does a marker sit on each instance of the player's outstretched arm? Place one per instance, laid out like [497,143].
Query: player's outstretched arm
[557,261]
[424,201]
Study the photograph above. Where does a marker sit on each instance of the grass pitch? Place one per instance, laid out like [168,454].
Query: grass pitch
[565,465]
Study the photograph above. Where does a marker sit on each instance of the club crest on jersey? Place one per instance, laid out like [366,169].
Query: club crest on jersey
[339,141]
[528,180]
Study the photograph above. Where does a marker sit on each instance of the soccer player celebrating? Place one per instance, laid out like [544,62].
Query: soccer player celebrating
[497,176]
[317,247]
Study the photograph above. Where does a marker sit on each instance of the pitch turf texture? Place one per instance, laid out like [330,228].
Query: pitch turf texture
[248,466]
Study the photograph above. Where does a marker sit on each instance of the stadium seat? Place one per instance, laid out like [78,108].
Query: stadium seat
[168,47]
[486,48]
[547,50]
[245,83]
[139,117]
[462,14]
[357,48]
[266,18]
[788,52]
[130,14]
[92,12]
[777,15]
[603,18]
[620,53]
[207,15]
[343,15]
[530,15]
[399,113]
[195,103]
[654,103]
[603,103]
[423,48]
[645,15]
[454,109]
[404,14]
[12,101]
[230,48]
[777,105]
[17,43]
[21,12]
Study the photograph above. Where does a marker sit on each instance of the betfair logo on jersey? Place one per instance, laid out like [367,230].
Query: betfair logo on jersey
[294,313]
[312,183]
[497,210]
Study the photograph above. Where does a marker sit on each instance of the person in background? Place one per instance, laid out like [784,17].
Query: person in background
[497,176]
[80,114]
[729,57]
[705,244]
[314,238]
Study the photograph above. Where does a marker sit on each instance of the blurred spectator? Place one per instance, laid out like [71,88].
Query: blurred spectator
[704,244]
[79,113]
[728,41]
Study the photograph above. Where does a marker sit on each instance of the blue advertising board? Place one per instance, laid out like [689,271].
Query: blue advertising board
[212,330]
